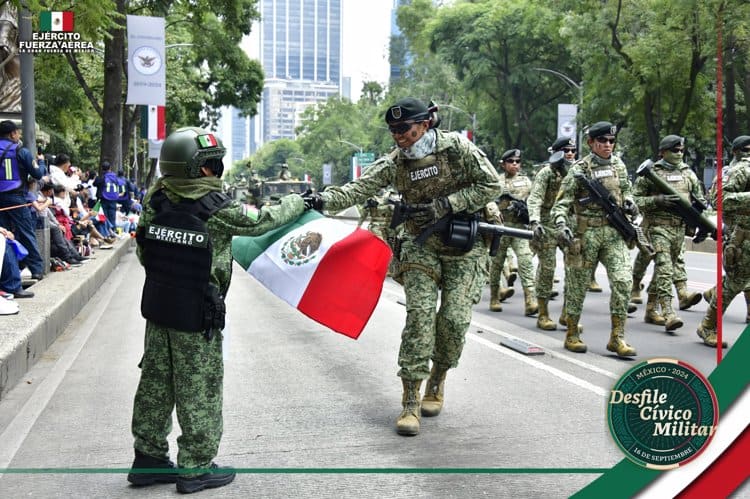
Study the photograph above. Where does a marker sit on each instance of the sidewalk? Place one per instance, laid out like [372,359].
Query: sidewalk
[58,298]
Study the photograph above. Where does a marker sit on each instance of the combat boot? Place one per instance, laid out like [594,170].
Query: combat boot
[553,294]
[543,321]
[687,299]
[573,340]
[671,321]
[747,303]
[530,305]
[617,338]
[506,293]
[635,292]
[652,315]
[594,287]
[432,402]
[494,300]
[707,329]
[408,421]
[632,307]
[149,470]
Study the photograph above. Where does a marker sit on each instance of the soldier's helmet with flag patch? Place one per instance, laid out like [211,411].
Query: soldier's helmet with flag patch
[187,149]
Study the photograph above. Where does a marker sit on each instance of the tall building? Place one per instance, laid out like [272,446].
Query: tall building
[399,53]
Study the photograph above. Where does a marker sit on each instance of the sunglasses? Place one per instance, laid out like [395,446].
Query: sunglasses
[401,128]
[568,149]
[677,149]
[604,140]
[517,161]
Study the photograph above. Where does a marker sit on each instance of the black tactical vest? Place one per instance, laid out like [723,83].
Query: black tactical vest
[177,255]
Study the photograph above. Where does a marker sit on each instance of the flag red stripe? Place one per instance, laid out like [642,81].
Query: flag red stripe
[346,286]
[161,124]
[67,20]
[725,474]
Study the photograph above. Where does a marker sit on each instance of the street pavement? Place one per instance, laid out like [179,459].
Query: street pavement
[310,413]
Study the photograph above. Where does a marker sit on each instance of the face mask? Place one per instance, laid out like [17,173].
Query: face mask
[740,154]
[674,158]
[421,148]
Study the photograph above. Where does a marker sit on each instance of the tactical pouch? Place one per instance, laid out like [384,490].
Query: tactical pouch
[574,254]
[214,309]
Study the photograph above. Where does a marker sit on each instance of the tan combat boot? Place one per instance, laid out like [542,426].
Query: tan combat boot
[707,329]
[506,293]
[708,294]
[573,340]
[617,338]
[747,303]
[687,299]
[432,402]
[543,321]
[635,292]
[408,421]
[594,286]
[652,313]
[494,299]
[530,305]
[671,321]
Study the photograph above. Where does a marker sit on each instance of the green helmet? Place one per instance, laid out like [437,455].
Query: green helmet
[186,150]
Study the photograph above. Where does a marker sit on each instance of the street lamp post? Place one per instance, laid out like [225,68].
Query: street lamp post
[578,86]
[352,144]
[473,117]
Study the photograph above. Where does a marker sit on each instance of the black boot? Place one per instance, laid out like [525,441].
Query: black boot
[217,477]
[141,473]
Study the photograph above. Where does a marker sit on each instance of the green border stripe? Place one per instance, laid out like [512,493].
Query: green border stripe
[728,380]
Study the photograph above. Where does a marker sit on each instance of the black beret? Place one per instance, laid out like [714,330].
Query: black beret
[740,142]
[7,126]
[601,128]
[510,153]
[407,109]
[671,141]
[562,142]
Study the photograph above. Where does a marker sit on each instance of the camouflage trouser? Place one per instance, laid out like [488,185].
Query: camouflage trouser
[438,336]
[678,265]
[547,255]
[736,268]
[598,244]
[669,243]
[523,255]
[184,371]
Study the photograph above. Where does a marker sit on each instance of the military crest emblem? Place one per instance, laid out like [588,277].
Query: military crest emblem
[396,112]
[301,249]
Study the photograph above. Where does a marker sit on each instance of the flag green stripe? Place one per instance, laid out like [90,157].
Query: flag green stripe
[246,249]
[45,21]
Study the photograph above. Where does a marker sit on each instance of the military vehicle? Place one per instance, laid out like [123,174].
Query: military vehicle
[259,191]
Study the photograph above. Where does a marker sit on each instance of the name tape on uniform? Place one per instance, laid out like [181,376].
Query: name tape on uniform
[177,236]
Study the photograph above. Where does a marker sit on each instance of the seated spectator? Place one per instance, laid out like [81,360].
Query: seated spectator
[10,275]
[58,173]
[60,246]
[84,226]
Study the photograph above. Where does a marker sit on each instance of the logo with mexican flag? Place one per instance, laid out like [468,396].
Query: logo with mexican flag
[56,35]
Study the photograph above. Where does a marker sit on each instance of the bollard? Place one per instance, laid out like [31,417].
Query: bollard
[42,242]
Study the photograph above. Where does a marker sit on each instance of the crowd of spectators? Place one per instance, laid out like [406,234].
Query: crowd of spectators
[84,211]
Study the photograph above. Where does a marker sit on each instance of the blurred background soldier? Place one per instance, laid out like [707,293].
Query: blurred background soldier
[736,206]
[541,198]
[184,242]
[512,205]
[664,227]
[441,176]
[595,239]
[379,209]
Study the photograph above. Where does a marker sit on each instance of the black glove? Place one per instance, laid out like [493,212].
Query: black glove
[564,235]
[666,200]
[313,200]
[371,203]
[519,209]
[429,213]
[630,208]
[538,231]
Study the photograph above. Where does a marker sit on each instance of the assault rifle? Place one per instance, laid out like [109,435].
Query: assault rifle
[691,213]
[614,213]
[457,232]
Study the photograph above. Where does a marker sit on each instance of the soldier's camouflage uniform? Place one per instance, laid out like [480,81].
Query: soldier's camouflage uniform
[380,212]
[736,207]
[459,171]
[595,239]
[519,187]
[665,228]
[183,370]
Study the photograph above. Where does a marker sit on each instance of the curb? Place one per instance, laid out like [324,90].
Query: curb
[58,298]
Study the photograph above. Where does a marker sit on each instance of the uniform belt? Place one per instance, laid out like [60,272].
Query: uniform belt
[668,221]
[593,221]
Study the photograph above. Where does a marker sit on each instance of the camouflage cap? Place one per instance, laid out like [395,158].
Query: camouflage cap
[405,109]
[561,142]
[740,142]
[601,128]
[510,153]
[671,141]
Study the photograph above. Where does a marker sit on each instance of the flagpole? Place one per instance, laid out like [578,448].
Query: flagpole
[135,153]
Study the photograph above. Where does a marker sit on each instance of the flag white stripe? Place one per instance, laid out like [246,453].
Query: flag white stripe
[731,424]
[153,123]
[289,282]
[57,21]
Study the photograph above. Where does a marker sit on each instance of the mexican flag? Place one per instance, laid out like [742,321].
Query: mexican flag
[99,212]
[56,21]
[331,271]
[153,126]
